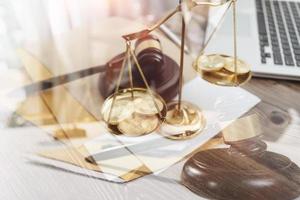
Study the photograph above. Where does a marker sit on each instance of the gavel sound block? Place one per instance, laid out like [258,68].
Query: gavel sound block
[245,171]
[161,71]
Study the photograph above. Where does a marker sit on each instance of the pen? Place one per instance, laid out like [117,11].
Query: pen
[62,79]
[119,151]
[66,78]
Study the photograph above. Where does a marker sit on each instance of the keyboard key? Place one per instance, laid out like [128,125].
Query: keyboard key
[297,51]
[289,60]
[267,55]
[296,47]
[287,52]
[297,57]
[277,59]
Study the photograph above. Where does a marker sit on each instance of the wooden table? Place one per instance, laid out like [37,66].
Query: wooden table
[280,106]
[25,180]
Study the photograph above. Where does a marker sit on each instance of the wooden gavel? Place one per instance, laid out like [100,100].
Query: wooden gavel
[161,72]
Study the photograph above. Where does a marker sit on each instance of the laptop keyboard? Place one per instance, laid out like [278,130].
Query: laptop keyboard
[279,31]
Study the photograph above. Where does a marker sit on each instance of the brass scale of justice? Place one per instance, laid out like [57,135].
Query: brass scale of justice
[141,111]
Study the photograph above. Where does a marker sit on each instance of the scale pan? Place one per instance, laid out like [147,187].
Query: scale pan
[219,69]
[133,112]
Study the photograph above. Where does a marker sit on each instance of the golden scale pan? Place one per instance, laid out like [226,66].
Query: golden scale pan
[140,111]
[222,69]
[133,111]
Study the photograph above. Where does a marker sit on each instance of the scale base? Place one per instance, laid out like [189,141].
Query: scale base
[182,124]
[228,174]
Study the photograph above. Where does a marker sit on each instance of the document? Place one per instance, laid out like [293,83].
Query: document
[221,106]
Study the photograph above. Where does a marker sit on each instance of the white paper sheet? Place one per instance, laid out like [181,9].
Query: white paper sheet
[220,105]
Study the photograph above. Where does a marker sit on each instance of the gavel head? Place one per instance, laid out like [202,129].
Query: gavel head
[161,72]
[149,53]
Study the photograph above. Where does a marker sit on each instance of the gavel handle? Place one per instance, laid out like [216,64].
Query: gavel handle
[69,77]
[61,79]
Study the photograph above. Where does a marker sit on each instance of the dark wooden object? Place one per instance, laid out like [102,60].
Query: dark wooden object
[164,81]
[244,171]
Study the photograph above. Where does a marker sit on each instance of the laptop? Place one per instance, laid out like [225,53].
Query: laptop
[268,36]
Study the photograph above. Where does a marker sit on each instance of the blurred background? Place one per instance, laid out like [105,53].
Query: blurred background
[34,21]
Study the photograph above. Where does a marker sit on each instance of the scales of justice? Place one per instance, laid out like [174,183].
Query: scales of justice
[136,111]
